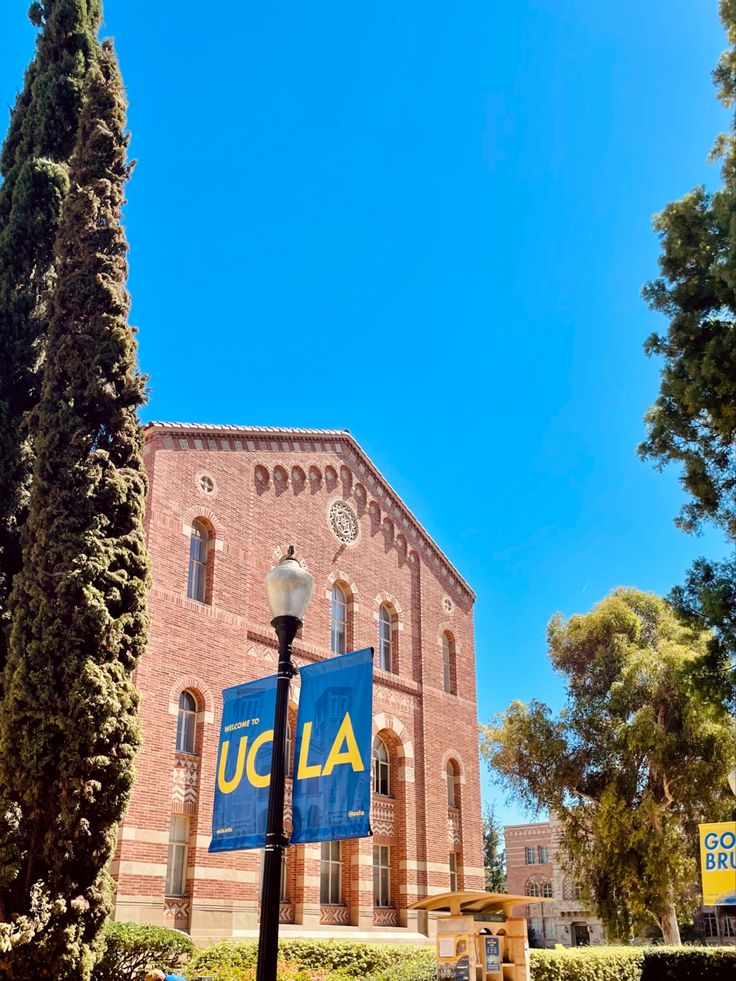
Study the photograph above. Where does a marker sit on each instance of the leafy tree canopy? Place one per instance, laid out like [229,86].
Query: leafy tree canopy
[636,759]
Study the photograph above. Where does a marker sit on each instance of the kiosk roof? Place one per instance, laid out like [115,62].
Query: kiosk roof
[459,903]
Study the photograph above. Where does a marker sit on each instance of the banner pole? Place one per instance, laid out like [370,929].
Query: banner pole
[268,936]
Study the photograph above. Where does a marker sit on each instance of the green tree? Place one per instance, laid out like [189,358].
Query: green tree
[635,761]
[33,166]
[68,729]
[693,421]
[494,857]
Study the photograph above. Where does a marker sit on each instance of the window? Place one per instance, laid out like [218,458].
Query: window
[385,639]
[453,872]
[176,869]
[546,890]
[186,723]
[531,856]
[339,632]
[330,888]
[710,924]
[532,889]
[550,931]
[197,581]
[536,928]
[543,855]
[283,881]
[381,768]
[381,876]
[448,653]
[577,891]
[451,786]
[728,925]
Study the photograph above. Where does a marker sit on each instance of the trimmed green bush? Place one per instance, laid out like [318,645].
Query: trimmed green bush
[131,949]
[689,964]
[634,964]
[587,964]
[227,961]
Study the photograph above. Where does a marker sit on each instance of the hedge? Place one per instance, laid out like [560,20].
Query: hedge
[341,960]
[131,949]
[226,961]
[634,964]
[587,964]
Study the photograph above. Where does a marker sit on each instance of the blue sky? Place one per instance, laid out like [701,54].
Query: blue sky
[427,223]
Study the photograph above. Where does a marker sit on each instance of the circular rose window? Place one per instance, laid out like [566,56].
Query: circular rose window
[343,522]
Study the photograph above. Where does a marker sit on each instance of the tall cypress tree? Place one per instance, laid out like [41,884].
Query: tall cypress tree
[33,165]
[68,731]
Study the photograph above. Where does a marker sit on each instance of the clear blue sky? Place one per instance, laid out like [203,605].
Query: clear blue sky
[427,223]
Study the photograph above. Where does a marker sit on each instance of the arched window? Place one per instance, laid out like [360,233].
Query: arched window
[186,723]
[198,549]
[339,632]
[385,639]
[451,785]
[532,889]
[381,768]
[546,890]
[448,658]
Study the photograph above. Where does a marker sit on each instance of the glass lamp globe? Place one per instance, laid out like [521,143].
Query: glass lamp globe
[288,588]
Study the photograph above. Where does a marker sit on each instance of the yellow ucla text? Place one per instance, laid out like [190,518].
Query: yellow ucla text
[343,752]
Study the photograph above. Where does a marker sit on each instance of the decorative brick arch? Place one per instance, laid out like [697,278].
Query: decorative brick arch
[391,600]
[191,682]
[447,628]
[200,512]
[404,745]
[452,755]
[343,579]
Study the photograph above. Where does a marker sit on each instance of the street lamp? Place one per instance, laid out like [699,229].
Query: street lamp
[732,785]
[288,592]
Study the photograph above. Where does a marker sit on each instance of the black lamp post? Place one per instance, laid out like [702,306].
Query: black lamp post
[288,592]
[732,785]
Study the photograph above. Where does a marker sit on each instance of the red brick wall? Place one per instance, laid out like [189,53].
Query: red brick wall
[252,515]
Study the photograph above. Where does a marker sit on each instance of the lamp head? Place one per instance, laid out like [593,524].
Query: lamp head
[288,588]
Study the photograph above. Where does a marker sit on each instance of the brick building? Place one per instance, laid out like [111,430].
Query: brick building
[533,869]
[223,502]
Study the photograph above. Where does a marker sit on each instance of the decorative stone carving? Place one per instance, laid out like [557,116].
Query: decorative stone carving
[176,913]
[447,604]
[454,832]
[343,522]
[286,912]
[334,915]
[385,917]
[185,780]
[205,483]
[383,817]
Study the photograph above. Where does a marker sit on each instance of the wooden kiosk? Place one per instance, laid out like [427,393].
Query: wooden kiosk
[479,950]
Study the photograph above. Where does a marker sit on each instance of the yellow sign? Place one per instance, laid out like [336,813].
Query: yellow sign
[718,863]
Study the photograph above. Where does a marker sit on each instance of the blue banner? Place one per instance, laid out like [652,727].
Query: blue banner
[332,763]
[244,766]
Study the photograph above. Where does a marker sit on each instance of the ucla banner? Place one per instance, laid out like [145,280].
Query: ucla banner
[332,780]
[718,863]
[244,766]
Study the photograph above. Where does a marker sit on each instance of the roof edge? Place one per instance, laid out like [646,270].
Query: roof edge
[340,434]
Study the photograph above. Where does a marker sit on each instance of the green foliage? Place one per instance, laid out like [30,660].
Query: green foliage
[34,167]
[415,965]
[494,858]
[587,964]
[131,949]
[227,961]
[693,420]
[637,758]
[68,727]
[634,964]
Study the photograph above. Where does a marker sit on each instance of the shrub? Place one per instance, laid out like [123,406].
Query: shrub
[419,964]
[587,964]
[689,963]
[133,948]
[226,960]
